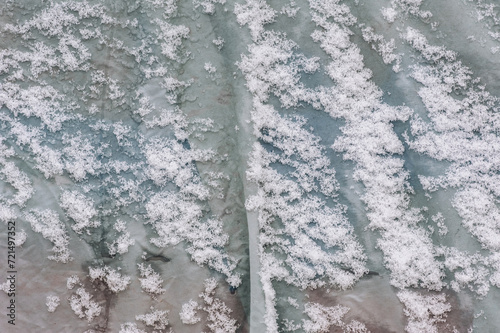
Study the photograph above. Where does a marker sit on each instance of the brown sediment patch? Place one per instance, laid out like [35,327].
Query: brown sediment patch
[372,302]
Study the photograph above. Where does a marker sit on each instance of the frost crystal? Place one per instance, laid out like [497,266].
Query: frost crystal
[52,303]
[255,14]
[424,311]
[151,282]
[156,319]
[219,42]
[210,68]
[80,209]
[343,129]
[218,314]
[72,281]
[20,237]
[188,314]
[48,224]
[130,328]
[84,307]
[323,317]
[113,280]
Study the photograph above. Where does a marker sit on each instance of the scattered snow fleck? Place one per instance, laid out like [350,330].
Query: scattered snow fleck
[151,281]
[20,237]
[323,317]
[424,311]
[113,280]
[48,224]
[82,304]
[389,14]
[52,303]
[218,314]
[156,319]
[219,42]
[188,314]
[80,209]
[130,328]
[210,68]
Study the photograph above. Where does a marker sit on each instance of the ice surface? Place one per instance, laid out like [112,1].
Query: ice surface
[250,166]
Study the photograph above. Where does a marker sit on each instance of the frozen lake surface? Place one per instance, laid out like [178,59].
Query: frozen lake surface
[250,166]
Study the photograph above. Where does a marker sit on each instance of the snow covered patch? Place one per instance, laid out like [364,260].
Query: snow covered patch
[20,238]
[111,277]
[322,318]
[177,217]
[210,68]
[156,319]
[130,328]
[188,314]
[11,174]
[48,224]
[208,5]
[83,306]
[171,37]
[218,314]
[255,14]
[80,209]
[151,281]
[424,311]
[369,140]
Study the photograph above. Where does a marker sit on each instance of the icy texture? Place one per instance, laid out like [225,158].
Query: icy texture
[250,165]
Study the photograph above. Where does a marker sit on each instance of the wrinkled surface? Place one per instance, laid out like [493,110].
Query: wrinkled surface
[250,166]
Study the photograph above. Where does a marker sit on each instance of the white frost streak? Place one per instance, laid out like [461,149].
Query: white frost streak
[383,47]
[178,216]
[47,160]
[11,174]
[369,140]
[462,131]
[43,102]
[291,253]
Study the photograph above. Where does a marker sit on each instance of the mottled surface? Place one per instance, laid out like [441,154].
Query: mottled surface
[250,166]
